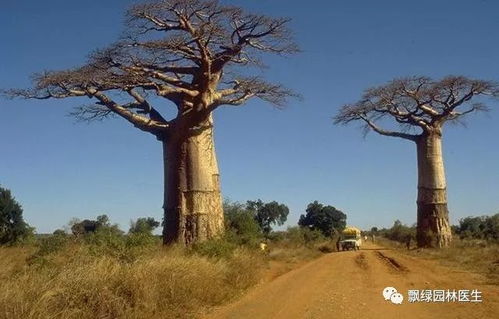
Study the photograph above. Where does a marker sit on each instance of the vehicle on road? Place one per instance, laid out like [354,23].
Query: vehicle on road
[350,239]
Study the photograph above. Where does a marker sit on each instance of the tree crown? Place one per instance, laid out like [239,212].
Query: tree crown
[13,228]
[327,219]
[143,225]
[418,102]
[176,50]
[268,214]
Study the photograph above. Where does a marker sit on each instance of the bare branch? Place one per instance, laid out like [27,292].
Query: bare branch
[243,89]
[146,124]
[350,113]
[176,50]
[381,131]
[418,102]
[90,113]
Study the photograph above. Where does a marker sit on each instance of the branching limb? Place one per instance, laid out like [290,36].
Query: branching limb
[418,102]
[176,50]
[144,123]
[244,89]
[90,113]
[381,131]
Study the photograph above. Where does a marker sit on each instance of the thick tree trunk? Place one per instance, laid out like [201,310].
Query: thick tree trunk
[433,228]
[193,204]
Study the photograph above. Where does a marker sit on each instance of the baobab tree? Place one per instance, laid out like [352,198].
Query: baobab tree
[196,56]
[419,107]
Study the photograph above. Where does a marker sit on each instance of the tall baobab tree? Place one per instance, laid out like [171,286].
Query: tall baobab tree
[420,107]
[190,53]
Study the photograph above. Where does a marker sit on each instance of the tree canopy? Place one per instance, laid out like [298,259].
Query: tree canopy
[240,223]
[268,214]
[323,218]
[418,104]
[479,227]
[175,50]
[192,56]
[87,226]
[144,225]
[13,228]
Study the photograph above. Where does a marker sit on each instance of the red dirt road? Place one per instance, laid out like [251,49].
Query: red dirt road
[349,285]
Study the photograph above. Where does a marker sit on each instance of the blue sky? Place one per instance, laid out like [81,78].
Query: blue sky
[59,169]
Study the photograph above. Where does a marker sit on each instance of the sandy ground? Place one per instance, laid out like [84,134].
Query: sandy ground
[350,284]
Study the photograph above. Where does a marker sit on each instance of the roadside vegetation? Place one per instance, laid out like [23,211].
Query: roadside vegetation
[475,245]
[93,269]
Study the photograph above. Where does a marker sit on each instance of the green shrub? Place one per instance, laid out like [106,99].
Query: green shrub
[242,229]
[141,240]
[277,236]
[143,225]
[481,227]
[402,233]
[52,244]
[46,246]
[106,241]
[312,235]
[299,236]
[217,248]
[13,228]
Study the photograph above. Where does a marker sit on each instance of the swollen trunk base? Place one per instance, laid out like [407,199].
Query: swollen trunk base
[193,201]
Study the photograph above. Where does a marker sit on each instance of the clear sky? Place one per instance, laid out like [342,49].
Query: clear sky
[59,169]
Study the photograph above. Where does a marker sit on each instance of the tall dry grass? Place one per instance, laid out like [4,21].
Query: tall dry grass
[162,283]
[477,256]
[108,275]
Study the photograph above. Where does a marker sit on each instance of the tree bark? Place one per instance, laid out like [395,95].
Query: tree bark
[433,229]
[192,200]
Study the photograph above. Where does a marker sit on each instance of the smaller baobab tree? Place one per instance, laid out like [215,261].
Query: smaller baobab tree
[196,56]
[420,107]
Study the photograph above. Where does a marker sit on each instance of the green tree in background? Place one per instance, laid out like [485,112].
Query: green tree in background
[144,225]
[323,218]
[240,223]
[88,226]
[480,227]
[400,232]
[268,214]
[13,228]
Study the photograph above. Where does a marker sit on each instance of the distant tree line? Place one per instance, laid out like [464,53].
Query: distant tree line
[245,223]
[255,219]
[399,232]
[481,227]
[143,225]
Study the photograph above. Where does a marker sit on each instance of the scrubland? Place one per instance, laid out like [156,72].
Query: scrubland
[473,255]
[112,276]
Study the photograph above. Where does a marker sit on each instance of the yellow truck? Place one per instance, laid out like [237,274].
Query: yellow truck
[350,239]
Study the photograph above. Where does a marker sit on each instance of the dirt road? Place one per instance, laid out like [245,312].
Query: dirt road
[350,284]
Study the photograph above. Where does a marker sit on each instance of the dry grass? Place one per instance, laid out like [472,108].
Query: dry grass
[476,256]
[294,255]
[76,282]
[12,260]
[283,258]
[168,283]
